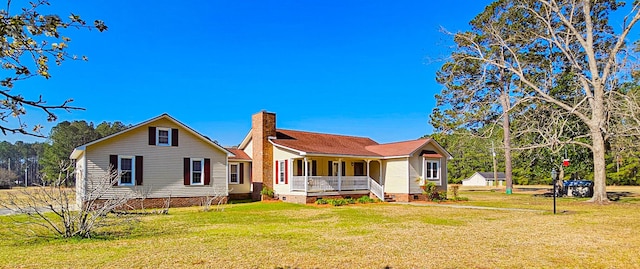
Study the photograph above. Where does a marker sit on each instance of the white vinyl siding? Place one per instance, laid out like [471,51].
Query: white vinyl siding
[421,169]
[163,166]
[396,175]
[80,181]
[281,154]
[249,149]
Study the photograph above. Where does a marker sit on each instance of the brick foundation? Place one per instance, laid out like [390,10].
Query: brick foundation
[240,196]
[403,197]
[160,202]
[398,197]
[296,199]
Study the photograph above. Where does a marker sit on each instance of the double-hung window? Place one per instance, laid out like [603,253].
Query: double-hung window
[281,172]
[197,174]
[126,170]
[164,137]
[234,173]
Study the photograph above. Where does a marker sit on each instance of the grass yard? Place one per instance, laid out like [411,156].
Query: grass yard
[274,234]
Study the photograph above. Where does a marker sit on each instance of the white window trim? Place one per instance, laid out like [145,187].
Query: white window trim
[237,173]
[438,177]
[201,160]
[281,172]
[158,129]
[133,170]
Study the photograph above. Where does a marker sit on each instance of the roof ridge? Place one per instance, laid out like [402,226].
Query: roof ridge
[398,142]
[310,132]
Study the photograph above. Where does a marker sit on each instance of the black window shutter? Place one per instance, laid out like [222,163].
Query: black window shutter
[344,169]
[241,173]
[330,168]
[314,170]
[152,136]
[138,170]
[174,137]
[113,164]
[187,171]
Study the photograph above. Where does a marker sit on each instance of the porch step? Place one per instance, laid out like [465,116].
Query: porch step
[388,198]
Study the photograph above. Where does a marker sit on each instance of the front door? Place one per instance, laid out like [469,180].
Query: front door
[358,169]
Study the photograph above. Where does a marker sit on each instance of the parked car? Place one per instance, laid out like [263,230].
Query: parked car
[578,188]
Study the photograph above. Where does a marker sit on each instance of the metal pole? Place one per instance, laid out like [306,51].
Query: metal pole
[554,178]
[554,196]
[26,169]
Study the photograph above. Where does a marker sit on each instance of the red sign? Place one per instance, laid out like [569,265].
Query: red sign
[565,162]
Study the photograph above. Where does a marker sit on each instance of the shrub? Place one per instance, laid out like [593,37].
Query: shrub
[365,199]
[337,202]
[346,201]
[454,190]
[267,192]
[456,194]
[431,190]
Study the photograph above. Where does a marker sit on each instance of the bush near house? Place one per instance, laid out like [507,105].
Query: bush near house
[346,201]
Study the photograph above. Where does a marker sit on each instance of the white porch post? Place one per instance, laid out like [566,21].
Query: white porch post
[368,178]
[306,176]
[380,173]
[290,173]
[340,174]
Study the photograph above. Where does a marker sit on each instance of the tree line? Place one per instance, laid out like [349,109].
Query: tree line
[39,162]
[473,153]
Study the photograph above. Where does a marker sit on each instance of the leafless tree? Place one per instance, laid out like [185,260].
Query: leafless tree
[569,60]
[7,177]
[55,209]
[218,197]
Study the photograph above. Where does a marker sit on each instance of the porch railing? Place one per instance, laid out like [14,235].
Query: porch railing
[330,183]
[377,189]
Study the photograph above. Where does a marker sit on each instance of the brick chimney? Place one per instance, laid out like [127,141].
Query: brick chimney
[263,126]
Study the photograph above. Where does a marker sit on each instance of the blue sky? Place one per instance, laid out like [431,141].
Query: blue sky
[364,68]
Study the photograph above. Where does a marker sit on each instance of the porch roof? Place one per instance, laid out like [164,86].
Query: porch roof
[328,144]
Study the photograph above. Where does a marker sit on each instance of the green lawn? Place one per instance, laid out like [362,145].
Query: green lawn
[271,235]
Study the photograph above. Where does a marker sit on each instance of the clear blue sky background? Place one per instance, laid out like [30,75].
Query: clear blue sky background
[364,68]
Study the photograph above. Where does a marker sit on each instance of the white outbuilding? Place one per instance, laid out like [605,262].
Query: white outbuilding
[484,179]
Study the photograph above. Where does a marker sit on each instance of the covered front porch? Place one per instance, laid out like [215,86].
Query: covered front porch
[315,176]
